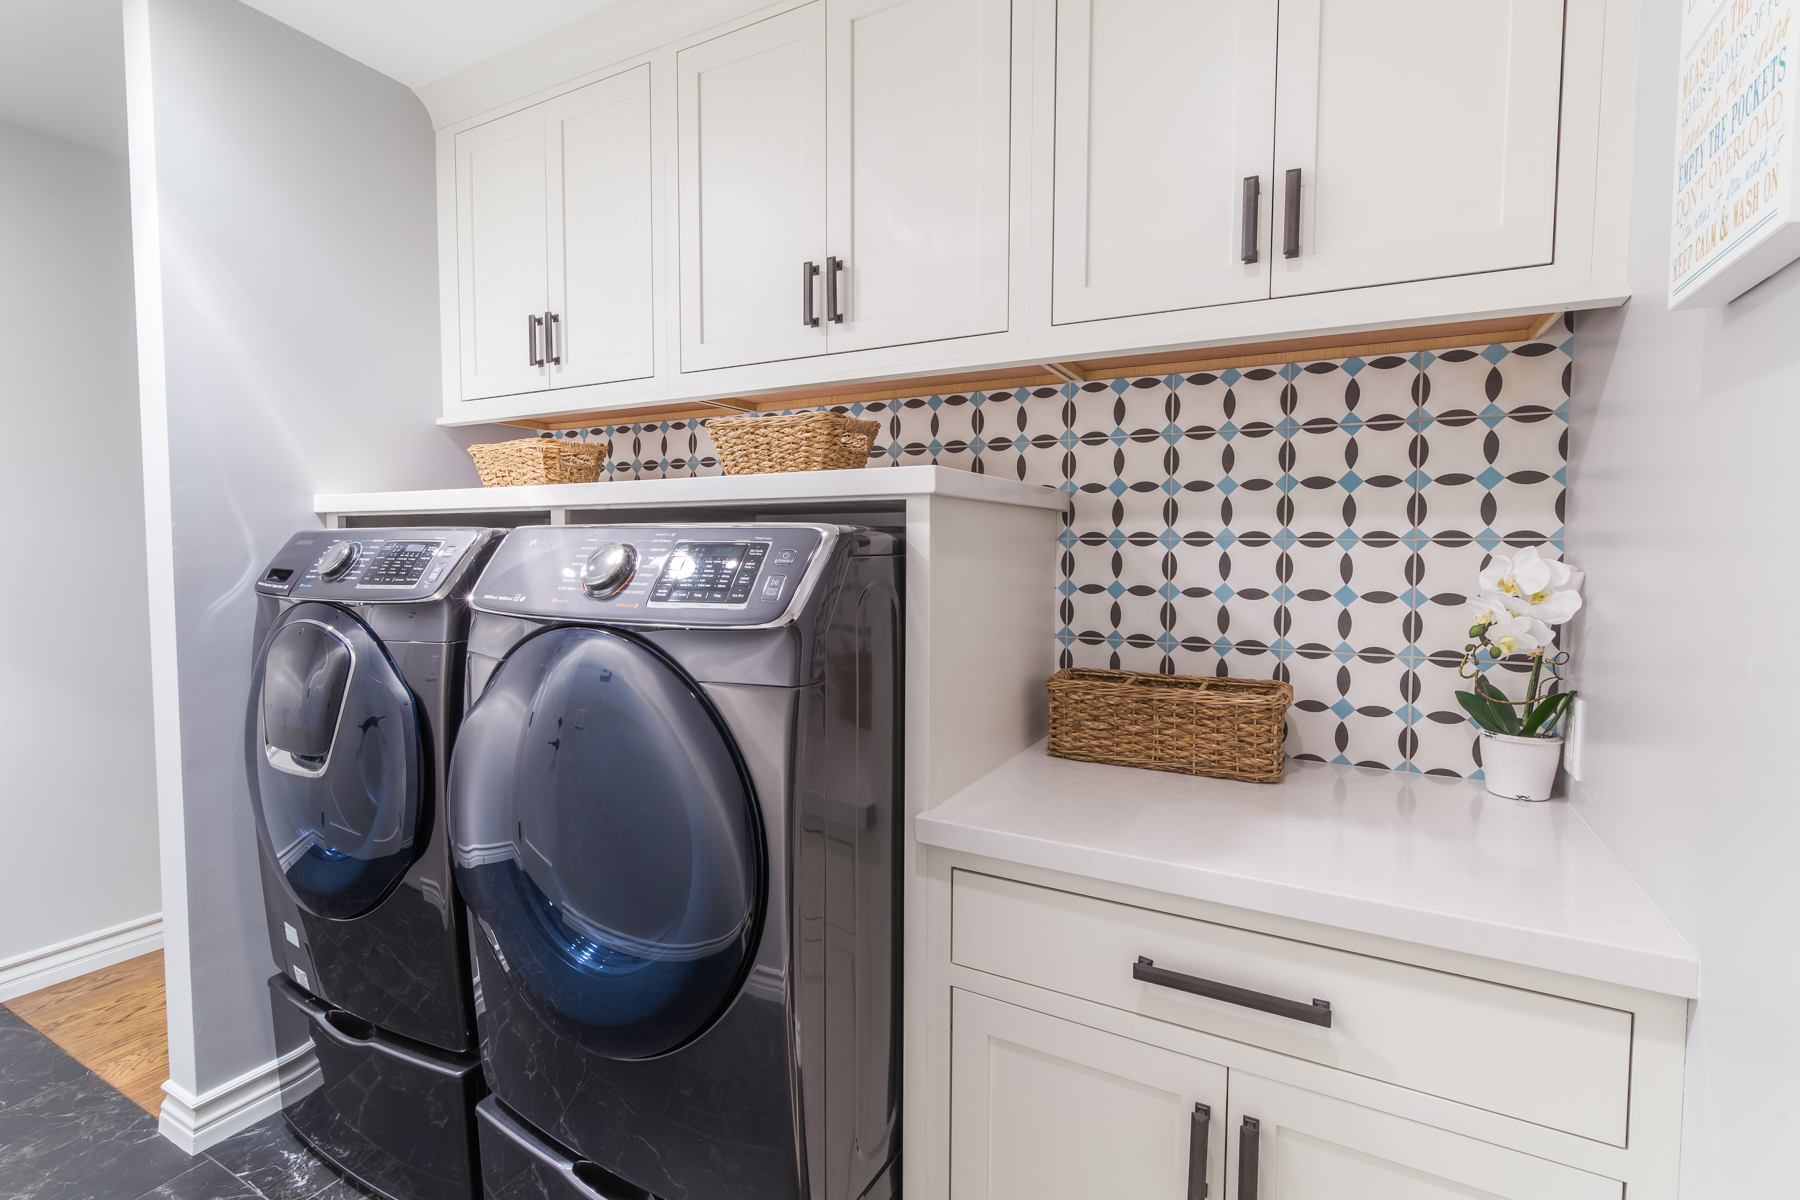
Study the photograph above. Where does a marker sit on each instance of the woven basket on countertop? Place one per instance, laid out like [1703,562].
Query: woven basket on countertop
[538,460]
[810,441]
[1226,728]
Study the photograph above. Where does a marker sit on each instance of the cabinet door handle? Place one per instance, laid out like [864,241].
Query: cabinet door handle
[1316,1013]
[833,313]
[551,321]
[1252,193]
[808,272]
[532,356]
[1249,1139]
[1290,216]
[1198,1129]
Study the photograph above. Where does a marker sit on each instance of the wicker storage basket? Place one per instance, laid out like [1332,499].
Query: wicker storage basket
[538,460]
[1227,728]
[812,441]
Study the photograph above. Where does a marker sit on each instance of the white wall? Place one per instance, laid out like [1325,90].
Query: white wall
[1683,510]
[77,798]
[284,215]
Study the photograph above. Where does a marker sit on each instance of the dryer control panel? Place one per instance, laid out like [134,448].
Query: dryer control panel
[656,574]
[371,565]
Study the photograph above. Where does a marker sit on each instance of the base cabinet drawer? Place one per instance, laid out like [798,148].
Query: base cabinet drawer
[1046,1109]
[1562,1063]
[1285,1143]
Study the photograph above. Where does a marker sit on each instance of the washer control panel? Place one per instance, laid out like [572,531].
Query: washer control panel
[680,574]
[364,565]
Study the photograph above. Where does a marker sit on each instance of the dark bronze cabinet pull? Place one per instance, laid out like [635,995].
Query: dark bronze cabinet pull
[532,324]
[1316,1013]
[1249,1137]
[1198,1128]
[1252,193]
[1290,216]
[551,321]
[833,313]
[808,272]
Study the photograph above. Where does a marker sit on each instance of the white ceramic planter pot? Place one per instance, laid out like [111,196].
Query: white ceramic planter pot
[1520,768]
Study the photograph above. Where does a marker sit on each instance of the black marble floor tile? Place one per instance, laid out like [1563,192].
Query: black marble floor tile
[83,1140]
[29,1061]
[281,1166]
[205,1181]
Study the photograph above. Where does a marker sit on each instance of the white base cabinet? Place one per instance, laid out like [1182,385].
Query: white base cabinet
[1083,1038]
[1045,1109]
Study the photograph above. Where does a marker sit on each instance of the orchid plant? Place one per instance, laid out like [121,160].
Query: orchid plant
[1522,597]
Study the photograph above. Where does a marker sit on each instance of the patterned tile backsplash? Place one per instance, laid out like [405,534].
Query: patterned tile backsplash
[1321,522]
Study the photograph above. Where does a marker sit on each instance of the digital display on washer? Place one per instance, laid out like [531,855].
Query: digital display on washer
[709,573]
[399,564]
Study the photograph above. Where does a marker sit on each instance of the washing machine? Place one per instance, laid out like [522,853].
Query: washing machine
[355,698]
[675,808]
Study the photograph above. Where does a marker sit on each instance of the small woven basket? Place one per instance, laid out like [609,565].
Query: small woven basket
[811,441]
[1226,728]
[538,460]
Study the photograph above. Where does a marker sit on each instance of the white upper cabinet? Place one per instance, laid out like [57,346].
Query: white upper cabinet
[554,242]
[751,131]
[503,255]
[602,257]
[1165,116]
[918,154]
[1424,134]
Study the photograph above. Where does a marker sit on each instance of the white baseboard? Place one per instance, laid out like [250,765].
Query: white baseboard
[197,1122]
[103,948]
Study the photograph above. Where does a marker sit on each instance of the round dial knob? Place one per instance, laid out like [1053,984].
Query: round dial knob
[338,559]
[608,570]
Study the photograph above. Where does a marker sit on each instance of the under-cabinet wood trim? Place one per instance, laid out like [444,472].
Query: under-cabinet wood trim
[1407,340]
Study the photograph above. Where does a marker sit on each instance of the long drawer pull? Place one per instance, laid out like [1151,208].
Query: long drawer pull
[1199,1130]
[1290,216]
[1247,223]
[1316,1013]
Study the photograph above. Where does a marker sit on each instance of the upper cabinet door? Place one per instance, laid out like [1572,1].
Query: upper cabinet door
[1164,108]
[751,135]
[1425,137]
[1304,1146]
[919,119]
[502,254]
[601,258]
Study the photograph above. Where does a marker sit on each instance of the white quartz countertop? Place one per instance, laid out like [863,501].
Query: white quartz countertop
[1424,859]
[868,483]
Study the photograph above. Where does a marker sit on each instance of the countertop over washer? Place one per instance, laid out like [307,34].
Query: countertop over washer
[1424,859]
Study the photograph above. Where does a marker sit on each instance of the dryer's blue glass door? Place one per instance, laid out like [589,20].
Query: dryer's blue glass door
[608,842]
[332,752]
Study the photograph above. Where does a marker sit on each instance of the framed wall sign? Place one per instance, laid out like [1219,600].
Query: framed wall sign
[1737,215]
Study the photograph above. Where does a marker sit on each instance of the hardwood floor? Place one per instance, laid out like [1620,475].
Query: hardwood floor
[113,1022]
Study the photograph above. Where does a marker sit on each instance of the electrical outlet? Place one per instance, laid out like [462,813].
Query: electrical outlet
[1573,739]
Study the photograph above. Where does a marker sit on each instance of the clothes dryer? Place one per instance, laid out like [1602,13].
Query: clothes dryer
[354,701]
[675,808]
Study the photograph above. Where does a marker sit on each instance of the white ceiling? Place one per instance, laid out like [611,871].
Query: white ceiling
[417,41]
[62,70]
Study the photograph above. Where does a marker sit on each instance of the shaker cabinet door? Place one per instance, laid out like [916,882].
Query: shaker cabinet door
[1164,109]
[1045,1109]
[750,117]
[918,103]
[502,255]
[602,253]
[1286,1143]
[1424,134]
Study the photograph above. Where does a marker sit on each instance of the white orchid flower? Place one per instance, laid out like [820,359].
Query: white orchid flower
[1529,585]
[1517,635]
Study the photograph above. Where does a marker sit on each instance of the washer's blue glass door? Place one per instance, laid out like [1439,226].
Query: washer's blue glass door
[608,842]
[333,756]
